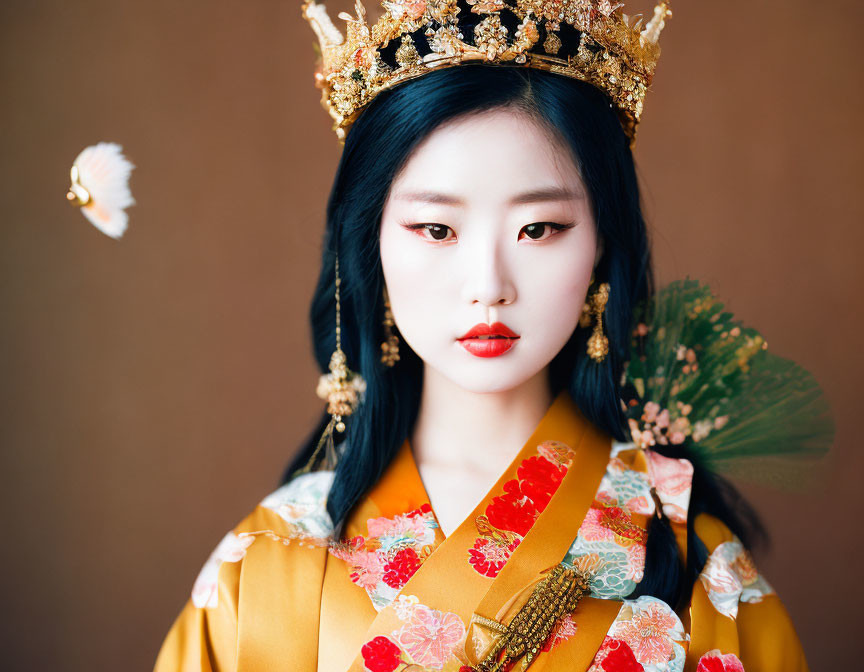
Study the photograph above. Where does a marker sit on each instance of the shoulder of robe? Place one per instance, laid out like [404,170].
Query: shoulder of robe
[294,515]
[729,577]
[270,563]
[738,591]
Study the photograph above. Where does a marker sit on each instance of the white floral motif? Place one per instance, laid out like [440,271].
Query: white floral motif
[231,549]
[653,632]
[730,577]
[302,503]
[404,606]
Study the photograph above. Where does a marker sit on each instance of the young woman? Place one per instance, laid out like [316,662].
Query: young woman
[488,502]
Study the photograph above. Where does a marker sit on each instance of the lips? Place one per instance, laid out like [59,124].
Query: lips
[488,340]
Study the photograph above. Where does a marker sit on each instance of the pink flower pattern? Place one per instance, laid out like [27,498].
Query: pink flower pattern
[430,636]
[651,630]
[648,634]
[672,480]
[382,562]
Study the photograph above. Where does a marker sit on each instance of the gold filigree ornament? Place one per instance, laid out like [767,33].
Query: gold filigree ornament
[552,599]
[598,343]
[342,388]
[610,50]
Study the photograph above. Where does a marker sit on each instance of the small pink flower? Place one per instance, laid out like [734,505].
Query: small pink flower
[641,437]
[652,408]
[412,527]
[367,569]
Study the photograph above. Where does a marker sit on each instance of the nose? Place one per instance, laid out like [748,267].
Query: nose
[488,280]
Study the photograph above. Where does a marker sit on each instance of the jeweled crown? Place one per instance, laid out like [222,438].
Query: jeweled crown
[590,40]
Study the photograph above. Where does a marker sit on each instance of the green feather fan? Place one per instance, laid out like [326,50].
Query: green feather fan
[699,379]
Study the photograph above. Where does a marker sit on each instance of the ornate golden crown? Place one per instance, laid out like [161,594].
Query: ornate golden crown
[590,40]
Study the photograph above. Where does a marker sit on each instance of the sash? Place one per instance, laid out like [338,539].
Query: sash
[446,586]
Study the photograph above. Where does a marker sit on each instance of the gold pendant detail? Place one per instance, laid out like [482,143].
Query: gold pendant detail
[552,598]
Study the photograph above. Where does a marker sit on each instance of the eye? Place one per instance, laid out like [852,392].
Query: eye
[436,232]
[537,230]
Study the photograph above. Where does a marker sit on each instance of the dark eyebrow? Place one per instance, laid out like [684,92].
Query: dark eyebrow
[534,196]
[548,194]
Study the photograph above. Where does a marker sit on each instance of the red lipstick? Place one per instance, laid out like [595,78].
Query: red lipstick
[488,340]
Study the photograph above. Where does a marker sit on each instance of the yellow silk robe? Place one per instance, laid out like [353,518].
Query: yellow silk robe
[390,592]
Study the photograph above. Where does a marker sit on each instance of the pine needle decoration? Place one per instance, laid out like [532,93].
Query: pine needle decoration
[699,379]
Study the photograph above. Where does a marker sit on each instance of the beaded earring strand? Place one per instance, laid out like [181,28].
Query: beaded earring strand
[342,388]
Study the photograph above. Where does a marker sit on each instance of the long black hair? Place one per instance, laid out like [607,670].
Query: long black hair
[376,147]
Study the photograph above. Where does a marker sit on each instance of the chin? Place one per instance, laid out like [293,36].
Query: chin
[489,378]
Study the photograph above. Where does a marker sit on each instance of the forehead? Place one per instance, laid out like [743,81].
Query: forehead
[500,152]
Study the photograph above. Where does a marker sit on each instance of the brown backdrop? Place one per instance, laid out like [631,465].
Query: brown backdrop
[154,387]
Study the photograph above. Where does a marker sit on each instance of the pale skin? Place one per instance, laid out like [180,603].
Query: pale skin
[488,221]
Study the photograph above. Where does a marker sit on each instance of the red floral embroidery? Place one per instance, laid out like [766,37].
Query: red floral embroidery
[714,661]
[539,479]
[526,496]
[380,655]
[524,499]
[401,568]
[488,556]
[393,550]
[512,511]
[616,656]
[424,508]
[620,658]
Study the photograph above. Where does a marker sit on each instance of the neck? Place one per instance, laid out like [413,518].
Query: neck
[459,427]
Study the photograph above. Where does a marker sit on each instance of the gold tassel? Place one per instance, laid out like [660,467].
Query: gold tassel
[552,598]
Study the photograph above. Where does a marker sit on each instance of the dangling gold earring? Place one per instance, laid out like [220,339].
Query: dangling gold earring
[598,344]
[390,347]
[342,388]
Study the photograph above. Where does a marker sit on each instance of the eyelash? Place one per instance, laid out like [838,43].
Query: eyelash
[556,227]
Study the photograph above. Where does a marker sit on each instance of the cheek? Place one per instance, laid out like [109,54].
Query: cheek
[552,292]
[416,286]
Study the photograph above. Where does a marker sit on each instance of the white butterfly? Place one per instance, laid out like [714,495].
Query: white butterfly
[100,186]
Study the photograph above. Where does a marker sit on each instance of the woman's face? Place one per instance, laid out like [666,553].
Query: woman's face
[488,223]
